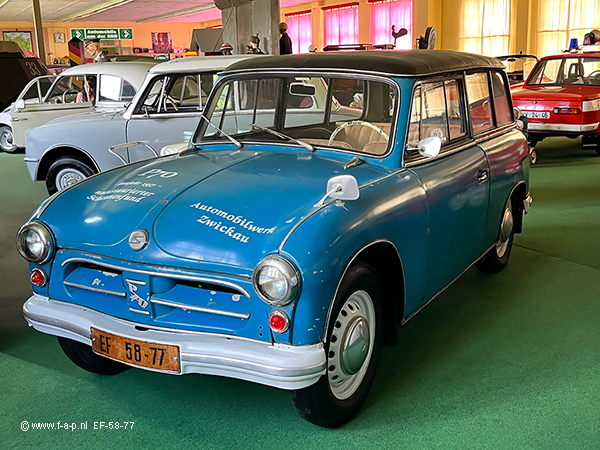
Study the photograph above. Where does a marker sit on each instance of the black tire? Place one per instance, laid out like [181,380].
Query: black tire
[7,140]
[83,356]
[65,171]
[340,393]
[497,257]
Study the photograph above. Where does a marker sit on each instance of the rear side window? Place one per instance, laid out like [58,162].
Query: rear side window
[480,106]
[501,104]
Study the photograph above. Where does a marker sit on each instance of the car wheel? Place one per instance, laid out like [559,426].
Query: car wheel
[64,172]
[353,347]
[7,140]
[497,257]
[83,356]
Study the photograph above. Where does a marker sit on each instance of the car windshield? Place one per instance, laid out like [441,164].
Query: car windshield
[582,70]
[350,114]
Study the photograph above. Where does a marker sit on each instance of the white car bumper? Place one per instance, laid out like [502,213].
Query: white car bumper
[563,127]
[281,366]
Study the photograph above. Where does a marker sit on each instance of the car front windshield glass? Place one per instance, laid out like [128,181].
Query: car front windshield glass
[580,70]
[347,113]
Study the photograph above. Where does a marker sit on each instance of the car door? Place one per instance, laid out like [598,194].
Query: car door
[59,101]
[456,182]
[168,112]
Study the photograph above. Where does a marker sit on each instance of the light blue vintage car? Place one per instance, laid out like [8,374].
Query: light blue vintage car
[326,200]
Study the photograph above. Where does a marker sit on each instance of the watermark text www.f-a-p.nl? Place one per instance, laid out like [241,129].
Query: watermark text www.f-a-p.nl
[73,426]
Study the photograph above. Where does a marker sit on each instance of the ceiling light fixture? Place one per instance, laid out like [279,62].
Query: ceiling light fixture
[95,10]
[181,12]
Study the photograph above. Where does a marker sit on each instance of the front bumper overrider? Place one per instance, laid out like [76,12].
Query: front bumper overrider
[277,365]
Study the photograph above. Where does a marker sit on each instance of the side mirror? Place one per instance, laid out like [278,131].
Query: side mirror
[302,89]
[430,147]
[342,187]
[20,104]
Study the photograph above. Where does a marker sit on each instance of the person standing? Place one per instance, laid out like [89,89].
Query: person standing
[285,42]
[92,46]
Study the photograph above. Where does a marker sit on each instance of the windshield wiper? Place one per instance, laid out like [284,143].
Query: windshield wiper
[221,132]
[306,145]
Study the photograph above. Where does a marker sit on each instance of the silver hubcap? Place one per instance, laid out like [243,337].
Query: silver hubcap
[7,142]
[351,345]
[67,177]
[506,229]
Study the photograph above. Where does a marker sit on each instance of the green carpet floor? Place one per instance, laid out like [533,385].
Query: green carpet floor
[507,361]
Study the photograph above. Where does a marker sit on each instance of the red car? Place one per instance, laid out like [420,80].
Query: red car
[561,97]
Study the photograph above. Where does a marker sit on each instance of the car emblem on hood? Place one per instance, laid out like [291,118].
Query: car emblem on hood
[138,239]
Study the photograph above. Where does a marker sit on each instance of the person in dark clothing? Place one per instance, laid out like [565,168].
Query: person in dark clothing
[285,42]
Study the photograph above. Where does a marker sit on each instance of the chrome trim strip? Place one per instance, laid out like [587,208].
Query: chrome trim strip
[94,289]
[527,203]
[139,311]
[26,159]
[160,274]
[139,283]
[200,309]
[562,127]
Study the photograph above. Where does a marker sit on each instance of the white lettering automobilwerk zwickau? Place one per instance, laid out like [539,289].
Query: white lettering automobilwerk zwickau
[226,229]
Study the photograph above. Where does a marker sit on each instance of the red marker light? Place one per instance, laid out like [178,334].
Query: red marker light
[38,277]
[279,321]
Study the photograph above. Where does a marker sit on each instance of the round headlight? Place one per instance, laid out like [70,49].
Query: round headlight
[276,281]
[35,243]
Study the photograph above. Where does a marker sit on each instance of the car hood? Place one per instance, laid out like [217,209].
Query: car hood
[555,93]
[94,116]
[219,206]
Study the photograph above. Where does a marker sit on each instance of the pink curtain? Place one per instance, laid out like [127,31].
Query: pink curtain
[341,25]
[386,13]
[300,31]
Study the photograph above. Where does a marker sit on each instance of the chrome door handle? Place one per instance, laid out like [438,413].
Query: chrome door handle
[482,176]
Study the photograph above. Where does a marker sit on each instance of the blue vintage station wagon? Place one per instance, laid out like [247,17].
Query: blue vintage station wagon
[325,199]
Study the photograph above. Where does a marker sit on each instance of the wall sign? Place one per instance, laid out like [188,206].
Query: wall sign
[102,33]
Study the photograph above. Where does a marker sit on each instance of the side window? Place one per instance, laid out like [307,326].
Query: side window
[149,104]
[110,88]
[434,121]
[66,89]
[480,106]
[128,91]
[456,120]
[501,104]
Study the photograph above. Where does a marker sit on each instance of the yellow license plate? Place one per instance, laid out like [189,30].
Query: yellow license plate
[138,353]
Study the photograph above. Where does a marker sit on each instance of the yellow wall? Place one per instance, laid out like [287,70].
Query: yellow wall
[444,15]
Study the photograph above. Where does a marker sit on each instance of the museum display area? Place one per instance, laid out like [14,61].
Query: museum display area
[366,248]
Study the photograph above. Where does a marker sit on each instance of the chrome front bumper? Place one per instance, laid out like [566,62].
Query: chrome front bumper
[281,366]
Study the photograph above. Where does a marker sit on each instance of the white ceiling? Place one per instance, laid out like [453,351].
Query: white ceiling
[59,10]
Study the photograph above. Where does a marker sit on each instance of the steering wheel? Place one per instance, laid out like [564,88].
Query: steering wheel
[357,122]
[64,96]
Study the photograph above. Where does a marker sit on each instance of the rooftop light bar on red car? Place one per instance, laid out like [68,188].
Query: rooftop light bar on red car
[566,110]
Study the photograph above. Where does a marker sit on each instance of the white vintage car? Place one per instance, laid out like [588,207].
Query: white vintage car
[115,83]
[165,111]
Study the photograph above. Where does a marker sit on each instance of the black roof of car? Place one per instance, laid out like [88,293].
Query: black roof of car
[389,62]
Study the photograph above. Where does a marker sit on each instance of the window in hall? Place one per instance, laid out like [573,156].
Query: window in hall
[386,13]
[341,25]
[485,27]
[561,20]
[300,31]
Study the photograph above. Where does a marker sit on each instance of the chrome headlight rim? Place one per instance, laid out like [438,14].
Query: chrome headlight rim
[46,237]
[290,273]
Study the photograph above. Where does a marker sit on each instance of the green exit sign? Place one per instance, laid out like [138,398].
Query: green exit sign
[102,33]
